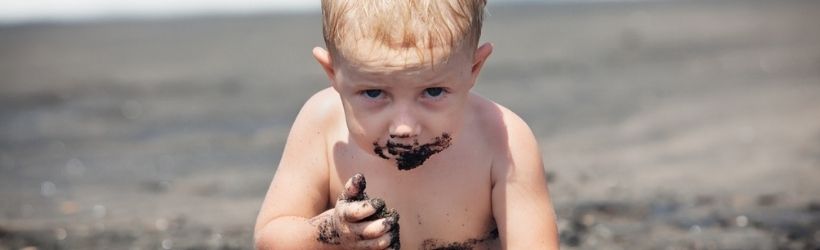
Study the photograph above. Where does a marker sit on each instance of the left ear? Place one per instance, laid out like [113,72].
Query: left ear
[480,56]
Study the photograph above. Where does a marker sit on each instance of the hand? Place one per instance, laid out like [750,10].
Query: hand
[358,222]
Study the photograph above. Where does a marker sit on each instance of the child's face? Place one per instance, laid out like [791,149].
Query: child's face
[405,114]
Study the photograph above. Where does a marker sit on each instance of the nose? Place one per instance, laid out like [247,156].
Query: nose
[404,125]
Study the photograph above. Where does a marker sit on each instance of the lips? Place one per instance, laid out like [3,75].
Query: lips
[396,148]
[410,156]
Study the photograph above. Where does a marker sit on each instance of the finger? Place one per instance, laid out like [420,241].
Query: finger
[381,242]
[383,213]
[357,210]
[372,229]
[354,188]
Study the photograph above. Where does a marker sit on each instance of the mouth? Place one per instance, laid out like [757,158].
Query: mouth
[411,155]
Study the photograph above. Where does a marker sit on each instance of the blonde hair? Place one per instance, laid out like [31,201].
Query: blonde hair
[422,26]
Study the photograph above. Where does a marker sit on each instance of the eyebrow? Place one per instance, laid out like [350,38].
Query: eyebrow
[369,84]
[435,83]
[380,85]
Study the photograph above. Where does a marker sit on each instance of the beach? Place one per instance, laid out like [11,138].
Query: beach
[663,125]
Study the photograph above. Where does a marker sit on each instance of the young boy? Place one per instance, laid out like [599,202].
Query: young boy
[442,167]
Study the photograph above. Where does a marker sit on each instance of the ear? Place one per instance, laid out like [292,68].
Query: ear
[480,56]
[323,57]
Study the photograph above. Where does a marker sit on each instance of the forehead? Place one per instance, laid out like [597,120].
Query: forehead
[389,74]
[402,65]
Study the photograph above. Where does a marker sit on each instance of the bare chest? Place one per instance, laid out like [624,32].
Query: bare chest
[444,203]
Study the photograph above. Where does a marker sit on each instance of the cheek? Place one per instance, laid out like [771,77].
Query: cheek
[444,121]
[450,120]
[452,126]
[364,130]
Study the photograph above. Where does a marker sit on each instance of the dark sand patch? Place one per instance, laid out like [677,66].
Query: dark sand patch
[435,244]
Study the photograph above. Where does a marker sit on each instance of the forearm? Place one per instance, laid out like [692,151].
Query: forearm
[293,232]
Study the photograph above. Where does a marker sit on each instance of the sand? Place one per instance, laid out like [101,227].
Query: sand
[679,125]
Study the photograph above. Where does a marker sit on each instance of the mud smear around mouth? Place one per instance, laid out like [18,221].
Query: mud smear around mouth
[435,244]
[410,156]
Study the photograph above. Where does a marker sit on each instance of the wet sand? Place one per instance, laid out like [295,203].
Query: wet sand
[690,124]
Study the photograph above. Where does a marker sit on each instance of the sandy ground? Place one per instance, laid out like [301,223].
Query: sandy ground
[683,125]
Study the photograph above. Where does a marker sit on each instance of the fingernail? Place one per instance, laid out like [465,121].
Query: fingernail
[391,219]
[388,221]
[386,224]
[392,213]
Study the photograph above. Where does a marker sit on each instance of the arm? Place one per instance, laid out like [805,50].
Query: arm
[295,212]
[299,189]
[521,203]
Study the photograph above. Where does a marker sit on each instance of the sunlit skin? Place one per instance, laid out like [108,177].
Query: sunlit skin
[490,176]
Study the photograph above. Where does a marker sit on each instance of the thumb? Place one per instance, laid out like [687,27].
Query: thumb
[354,188]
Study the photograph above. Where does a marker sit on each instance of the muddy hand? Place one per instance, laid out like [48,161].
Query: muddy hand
[354,192]
[352,225]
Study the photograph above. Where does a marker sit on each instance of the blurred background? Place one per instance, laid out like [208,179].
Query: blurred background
[667,124]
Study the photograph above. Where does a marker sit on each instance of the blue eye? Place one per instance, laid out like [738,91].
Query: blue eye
[434,92]
[372,93]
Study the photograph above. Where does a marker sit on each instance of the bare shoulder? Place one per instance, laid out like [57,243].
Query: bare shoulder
[322,107]
[507,135]
[311,130]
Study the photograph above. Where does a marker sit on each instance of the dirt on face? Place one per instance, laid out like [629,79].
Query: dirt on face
[410,156]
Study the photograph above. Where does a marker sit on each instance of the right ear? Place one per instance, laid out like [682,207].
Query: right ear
[323,57]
